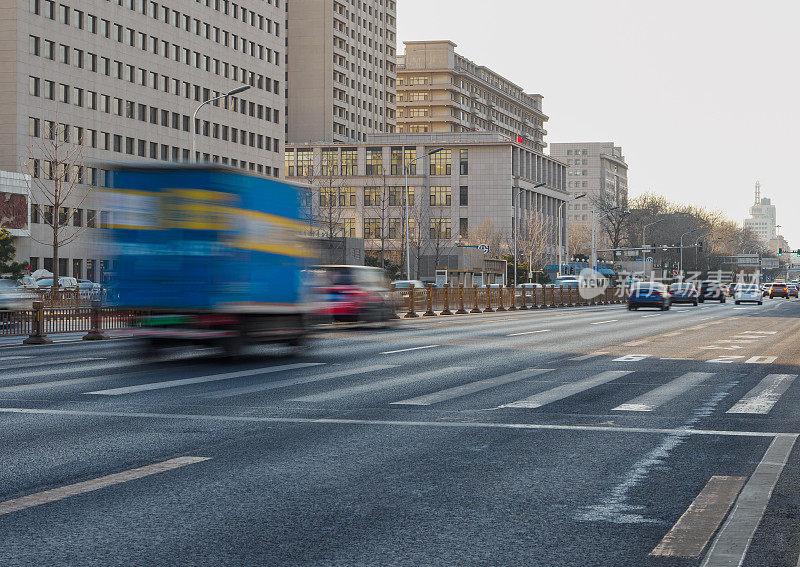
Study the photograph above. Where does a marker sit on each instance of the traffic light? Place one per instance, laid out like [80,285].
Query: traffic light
[699,245]
[780,252]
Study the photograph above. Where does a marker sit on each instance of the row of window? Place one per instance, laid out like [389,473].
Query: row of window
[94,268]
[44,215]
[394,228]
[440,196]
[300,162]
[129,73]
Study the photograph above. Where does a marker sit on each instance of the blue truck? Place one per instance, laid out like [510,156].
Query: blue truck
[210,255]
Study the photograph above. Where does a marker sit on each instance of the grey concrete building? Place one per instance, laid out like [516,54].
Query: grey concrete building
[442,91]
[121,80]
[341,69]
[763,218]
[596,168]
[464,194]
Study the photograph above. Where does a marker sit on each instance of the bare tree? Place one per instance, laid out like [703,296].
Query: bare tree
[56,169]
[323,204]
[380,206]
[534,240]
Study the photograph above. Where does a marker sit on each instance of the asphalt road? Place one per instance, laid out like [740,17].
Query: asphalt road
[587,436]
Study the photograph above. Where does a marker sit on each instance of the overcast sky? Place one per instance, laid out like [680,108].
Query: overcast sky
[701,95]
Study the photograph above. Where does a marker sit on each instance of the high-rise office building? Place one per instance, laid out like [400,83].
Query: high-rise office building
[442,91]
[121,80]
[763,218]
[341,69]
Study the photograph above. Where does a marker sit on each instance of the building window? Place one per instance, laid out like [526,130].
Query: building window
[288,162]
[463,196]
[330,162]
[372,196]
[91,218]
[347,197]
[349,227]
[440,229]
[463,227]
[374,161]
[305,162]
[395,228]
[463,162]
[349,162]
[440,196]
[440,162]
[372,228]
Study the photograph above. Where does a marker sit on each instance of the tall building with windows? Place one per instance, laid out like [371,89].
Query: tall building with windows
[442,91]
[120,81]
[598,169]
[341,69]
[763,218]
[474,191]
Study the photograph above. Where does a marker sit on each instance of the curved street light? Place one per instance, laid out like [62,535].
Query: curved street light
[560,230]
[407,233]
[516,228]
[237,90]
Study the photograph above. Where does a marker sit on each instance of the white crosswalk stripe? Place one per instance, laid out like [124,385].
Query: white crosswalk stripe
[762,398]
[567,390]
[201,379]
[471,388]
[663,394]
[297,381]
[401,380]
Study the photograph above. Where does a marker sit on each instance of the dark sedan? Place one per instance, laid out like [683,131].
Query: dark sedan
[711,290]
[649,295]
[683,293]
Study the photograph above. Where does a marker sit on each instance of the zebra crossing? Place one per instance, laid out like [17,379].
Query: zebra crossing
[304,384]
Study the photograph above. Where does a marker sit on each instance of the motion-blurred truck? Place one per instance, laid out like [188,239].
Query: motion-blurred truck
[211,255]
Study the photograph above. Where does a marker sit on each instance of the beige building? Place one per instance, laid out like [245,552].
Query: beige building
[442,91]
[121,80]
[598,169]
[341,69]
[465,193]
[764,220]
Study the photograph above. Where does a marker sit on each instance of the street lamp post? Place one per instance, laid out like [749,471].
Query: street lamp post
[516,229]
[696,242]
[406,168]
[202,104]
[680,266]
[593,258]
[560,231]
[643,229]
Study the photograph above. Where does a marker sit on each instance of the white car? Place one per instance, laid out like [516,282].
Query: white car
[748,292]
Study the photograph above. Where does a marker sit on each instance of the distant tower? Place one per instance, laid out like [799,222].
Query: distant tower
[758,192]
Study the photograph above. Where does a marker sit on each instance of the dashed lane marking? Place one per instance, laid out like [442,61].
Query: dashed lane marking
[409,349]
[663,394]
[63,492]
[471,388]
[587,356]
[202,379]
[761,360]
[694,529]
[762,398]
[529,333]
[604,322]
[566,390]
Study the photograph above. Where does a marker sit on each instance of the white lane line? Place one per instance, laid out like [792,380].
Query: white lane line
[761,360]
[14,357]
[669,391]
[529,333]
[471,388]
[566,390]
[409,349]
[201,379]
[765,395]
[390,423]
[52,384]
[63,492]
[588,356]
[380,385]
[297,381]
[604,322]
[733,540]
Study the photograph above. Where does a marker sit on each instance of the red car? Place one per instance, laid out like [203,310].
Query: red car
[352,294]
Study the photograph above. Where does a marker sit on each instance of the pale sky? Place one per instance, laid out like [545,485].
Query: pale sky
[702,95]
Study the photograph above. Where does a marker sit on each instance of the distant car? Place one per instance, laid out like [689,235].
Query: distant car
[793,289]
[63,282]
[683,293]
[779,290]
[354,294]
[711,290]
[405,284]
[732,289]
[567,281]
[88,285]
[748,293]
[649,294]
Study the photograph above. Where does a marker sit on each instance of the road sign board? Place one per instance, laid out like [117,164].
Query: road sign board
[484,248]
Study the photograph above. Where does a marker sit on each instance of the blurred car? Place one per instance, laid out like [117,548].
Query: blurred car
[779,290]
[12,296]
[765,289]
[27,282]
[566,281]
[88,285]
[353,294]
[748,293]
[732,289]
[711,290]
[649,294]
[405,284]
[793,289]
[683,293]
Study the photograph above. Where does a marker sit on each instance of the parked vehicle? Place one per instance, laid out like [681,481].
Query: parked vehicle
[64,282]
[779,290]
[748,293]
[214,254]
[354,294]
[649,294]
[711,290]
[683,293]
[405,284]
[88,285]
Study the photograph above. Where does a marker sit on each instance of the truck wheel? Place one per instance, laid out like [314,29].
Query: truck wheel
[299,345]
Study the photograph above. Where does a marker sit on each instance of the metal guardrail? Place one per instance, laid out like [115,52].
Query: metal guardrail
[50,320]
